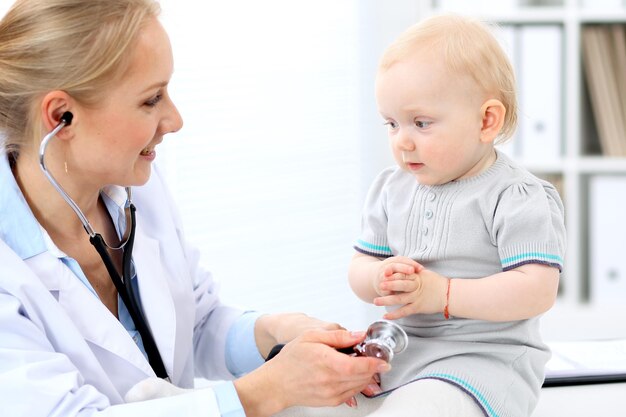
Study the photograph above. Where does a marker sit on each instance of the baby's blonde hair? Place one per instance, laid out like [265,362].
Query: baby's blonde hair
[469,48]
[78,46]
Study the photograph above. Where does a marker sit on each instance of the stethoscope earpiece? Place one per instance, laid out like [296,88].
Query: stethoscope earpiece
[66,118]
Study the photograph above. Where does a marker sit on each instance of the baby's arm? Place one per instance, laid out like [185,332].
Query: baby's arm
[518,294]
[367,272]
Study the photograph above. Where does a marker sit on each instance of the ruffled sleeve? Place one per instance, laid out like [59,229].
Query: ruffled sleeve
[528,225]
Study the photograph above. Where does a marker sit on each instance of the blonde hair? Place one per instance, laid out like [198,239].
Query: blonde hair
[77,46]
[469,48]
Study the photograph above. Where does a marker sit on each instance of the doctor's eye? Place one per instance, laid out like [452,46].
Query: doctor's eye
[154,101]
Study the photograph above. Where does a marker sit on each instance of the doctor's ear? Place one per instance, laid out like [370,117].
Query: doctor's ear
[492,113]
[55,108]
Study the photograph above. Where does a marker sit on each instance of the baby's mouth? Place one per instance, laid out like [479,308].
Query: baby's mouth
[146,151]
[414,166]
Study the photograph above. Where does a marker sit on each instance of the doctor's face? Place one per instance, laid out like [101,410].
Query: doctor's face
[117,139]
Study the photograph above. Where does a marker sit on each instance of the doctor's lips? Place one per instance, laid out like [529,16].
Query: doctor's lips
[148,152]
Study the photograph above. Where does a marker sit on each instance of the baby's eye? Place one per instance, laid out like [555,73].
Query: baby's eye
[422,124]
[391,124]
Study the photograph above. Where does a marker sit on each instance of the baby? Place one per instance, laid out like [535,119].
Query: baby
[462,245]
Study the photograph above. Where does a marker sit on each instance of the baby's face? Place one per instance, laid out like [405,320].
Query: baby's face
[434,119]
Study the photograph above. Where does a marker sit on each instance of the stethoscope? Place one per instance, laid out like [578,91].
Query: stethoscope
[123,282]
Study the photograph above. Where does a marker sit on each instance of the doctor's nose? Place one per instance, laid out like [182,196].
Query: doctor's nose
[172,120]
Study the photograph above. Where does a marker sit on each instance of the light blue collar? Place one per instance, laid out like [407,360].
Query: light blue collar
[19,228]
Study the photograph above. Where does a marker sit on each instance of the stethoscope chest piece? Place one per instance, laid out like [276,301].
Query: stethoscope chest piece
[383,340]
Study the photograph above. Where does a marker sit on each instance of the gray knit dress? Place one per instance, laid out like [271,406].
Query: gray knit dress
[496,221]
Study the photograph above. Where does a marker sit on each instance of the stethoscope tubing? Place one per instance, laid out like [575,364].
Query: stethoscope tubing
[81,216]
[123,283]
[42,163]
[124,287]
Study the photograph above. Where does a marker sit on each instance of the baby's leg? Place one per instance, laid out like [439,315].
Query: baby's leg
[423,398]
[365,407]
[428,398]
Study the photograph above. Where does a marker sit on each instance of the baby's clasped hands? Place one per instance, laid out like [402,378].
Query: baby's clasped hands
[420,292]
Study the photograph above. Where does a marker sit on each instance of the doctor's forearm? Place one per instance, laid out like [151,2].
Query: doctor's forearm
[263,334]
[272,329]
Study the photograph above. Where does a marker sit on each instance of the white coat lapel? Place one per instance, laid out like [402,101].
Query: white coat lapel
[155,295]
[89,315]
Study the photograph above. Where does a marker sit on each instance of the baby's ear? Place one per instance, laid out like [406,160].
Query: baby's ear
[492,113]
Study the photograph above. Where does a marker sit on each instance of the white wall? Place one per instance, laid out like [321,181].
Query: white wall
[280,143]
[281,140]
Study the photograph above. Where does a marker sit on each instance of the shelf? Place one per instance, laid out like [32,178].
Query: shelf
[573,169]
[544,14]
[524,16]
[519,15]
[601,165]
[583,165]
[592,17]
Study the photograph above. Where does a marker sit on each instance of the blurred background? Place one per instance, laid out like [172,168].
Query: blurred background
[280,142]
[282,139]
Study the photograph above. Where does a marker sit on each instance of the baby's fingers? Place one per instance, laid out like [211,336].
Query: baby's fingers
[395,299]
[387,300]
[396,268]
[407,261]
[403,311]
[399,284]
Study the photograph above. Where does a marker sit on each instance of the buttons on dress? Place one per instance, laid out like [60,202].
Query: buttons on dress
[425,228]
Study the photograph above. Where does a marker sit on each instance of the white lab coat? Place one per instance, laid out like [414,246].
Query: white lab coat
[63,354]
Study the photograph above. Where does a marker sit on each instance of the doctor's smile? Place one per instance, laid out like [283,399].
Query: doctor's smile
[149,154]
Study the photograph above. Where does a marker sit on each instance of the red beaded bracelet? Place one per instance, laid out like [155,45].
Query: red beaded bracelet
[446,312]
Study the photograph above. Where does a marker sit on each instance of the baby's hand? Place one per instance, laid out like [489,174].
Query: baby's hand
[423,292]
[394,269]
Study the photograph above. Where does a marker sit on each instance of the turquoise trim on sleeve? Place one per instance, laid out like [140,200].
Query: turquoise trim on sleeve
[228,400]
[469,388]
[378,248]
[532,256]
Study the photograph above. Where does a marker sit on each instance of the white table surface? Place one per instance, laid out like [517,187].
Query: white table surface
[606,400]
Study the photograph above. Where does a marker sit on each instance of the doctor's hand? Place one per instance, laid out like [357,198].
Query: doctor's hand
[309,372]
[273,329]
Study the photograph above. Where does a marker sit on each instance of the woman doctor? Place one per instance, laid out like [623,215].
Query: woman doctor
[91,79]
